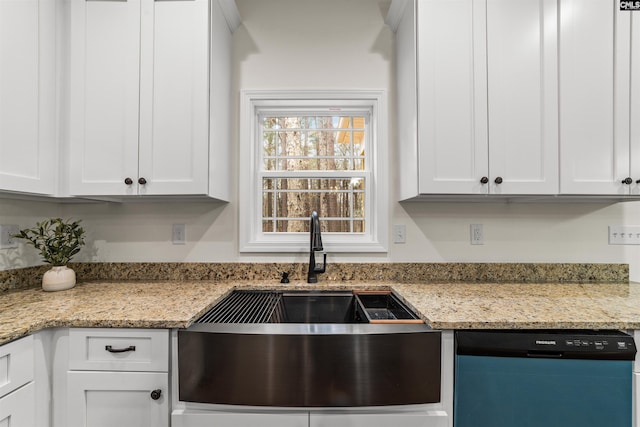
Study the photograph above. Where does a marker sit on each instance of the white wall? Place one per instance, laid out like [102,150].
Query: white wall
[333,44]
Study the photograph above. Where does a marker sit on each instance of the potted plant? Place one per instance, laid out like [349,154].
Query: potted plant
[58,241]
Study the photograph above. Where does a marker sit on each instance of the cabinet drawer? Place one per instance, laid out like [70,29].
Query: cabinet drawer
[16,364]
[119,349]
[17,408]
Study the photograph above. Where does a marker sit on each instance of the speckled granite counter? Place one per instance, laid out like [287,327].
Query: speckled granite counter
[30,277]
[169,304]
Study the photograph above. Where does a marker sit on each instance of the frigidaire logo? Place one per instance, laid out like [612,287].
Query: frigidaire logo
[629,4]
[545,342]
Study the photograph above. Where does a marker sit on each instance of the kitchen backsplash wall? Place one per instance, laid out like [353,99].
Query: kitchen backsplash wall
[345,45]
[266,273]
[436,232]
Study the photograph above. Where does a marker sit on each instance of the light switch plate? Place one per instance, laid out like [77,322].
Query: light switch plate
[624,235]
[6,241]
[399,233]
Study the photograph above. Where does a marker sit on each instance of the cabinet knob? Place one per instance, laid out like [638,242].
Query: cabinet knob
[627,181]
[128,181]
[155,394]
[484,180]
[142,181]
[498,180]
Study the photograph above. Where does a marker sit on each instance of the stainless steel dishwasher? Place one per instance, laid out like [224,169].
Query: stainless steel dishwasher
[551,378]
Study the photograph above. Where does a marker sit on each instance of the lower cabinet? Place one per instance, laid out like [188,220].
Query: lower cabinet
[17,385]
[17,409]
[117,377]
[106,399]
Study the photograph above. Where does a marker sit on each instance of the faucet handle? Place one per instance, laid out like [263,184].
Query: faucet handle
[324,264]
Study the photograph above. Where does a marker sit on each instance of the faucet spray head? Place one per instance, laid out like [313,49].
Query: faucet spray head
[316,236]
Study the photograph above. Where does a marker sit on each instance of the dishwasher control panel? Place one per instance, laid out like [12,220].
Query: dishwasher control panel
[568,344]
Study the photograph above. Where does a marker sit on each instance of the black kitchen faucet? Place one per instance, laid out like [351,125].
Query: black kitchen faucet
[315,246]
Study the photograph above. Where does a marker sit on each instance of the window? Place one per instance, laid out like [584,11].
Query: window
[319,151]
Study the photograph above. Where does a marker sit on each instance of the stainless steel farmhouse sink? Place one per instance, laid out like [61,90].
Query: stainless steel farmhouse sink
[309,349]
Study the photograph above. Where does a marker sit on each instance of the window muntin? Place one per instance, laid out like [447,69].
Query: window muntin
[313,143]
[314,161]
[287,202]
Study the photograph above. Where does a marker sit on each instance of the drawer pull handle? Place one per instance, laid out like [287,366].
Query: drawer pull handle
[155,394]
[120,350]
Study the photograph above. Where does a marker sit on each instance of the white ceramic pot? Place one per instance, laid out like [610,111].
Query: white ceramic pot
[58,279]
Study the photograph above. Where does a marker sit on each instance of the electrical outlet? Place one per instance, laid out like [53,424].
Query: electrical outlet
[477,235]
[624,235]
[6,241]
[179,234]
[399,233]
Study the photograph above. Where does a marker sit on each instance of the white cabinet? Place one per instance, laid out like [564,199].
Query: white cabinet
[485,74]
[599,98]
[118,377]
[135,399]
[139,104]
[17,387]
[28,145]
[17,409]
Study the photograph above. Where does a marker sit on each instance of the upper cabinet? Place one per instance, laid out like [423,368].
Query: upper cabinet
[116,98]
[28,143]
[484,117]
[518,97]
[141,80]
[139,97]
[599,98]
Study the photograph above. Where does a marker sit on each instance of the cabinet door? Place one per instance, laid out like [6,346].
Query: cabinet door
[452,96]
[16,364]
[174,91]
[105,60]
[523,101]
[28,160]
[405,419]
[107,399]
[594,97]
[17,408]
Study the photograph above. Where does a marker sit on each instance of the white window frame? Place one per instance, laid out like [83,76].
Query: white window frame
[252,239]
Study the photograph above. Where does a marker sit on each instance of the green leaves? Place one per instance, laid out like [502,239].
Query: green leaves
[58,241]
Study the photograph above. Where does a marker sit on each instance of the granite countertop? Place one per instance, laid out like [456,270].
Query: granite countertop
[176,304]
